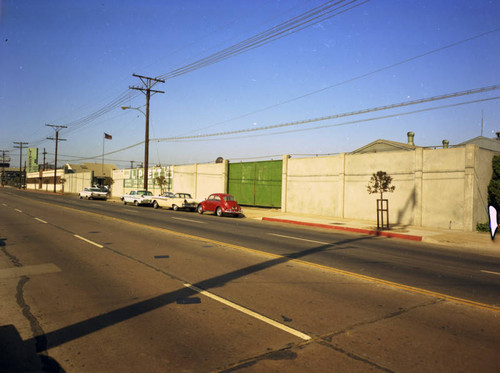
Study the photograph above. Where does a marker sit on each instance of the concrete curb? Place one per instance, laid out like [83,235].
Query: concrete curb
[401,236]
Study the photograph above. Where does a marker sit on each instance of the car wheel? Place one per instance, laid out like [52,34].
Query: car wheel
[200,209]
[80,197]
[175,207]
[124,202]
[155,205]
[136,203]
[218,211]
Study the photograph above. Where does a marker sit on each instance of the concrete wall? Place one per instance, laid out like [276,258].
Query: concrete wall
[33,180]
[200,180]
[442,188]
[131,179]
[75,183]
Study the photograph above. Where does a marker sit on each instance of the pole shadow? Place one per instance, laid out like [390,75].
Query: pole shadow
[94,324]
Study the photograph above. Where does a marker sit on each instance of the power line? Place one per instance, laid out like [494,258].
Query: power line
[387,67]
[309,18]
[336,116]
[207,137]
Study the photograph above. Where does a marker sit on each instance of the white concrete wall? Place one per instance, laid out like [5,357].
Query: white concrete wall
[312,185]
[200,180]
[131,179]
[442,188]
[75,183]
[48,180]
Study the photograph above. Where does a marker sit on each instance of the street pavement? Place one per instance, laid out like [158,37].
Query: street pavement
[477,242]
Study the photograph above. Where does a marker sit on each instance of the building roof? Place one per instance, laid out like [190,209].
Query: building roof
[484,142]
[382,145]
[99,169]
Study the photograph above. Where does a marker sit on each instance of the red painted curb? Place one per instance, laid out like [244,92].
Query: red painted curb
[350,229]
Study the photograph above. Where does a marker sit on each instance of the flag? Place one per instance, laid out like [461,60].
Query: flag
[107,136]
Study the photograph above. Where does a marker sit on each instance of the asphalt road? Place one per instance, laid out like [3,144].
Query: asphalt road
[98,286]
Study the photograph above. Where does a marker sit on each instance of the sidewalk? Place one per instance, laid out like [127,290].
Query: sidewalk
[476,242]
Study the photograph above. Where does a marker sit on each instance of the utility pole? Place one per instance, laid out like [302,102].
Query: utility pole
[146,89]
[57,139]
[3,166]
[44,154]
[19,146]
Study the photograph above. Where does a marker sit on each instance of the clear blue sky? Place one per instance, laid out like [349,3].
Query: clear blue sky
[63,60]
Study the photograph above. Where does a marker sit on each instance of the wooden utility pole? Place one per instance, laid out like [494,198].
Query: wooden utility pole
[19,146]
[3,167]
[146,89]
[44,154]
[57,139]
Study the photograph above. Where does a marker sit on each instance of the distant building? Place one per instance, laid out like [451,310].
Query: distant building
[382,145]
[100,170]
[485,142]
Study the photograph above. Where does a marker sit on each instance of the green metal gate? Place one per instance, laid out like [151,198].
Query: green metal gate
[256,183]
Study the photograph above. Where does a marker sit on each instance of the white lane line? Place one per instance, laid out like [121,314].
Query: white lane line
[250,313]
[4,204]
[493,273]
[18,210]
[90,242]
[40,220]
[192,221]
[40,269]
[300,239]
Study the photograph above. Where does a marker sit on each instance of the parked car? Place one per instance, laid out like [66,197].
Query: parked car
[175,201]
[93,193]
[220,204]
[138,197]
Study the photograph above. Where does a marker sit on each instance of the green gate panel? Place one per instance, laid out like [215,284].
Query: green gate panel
[256,183]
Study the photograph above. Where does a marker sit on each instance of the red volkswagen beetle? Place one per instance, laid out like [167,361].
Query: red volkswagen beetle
[220,204]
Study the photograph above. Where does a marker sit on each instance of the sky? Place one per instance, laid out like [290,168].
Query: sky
[70,63]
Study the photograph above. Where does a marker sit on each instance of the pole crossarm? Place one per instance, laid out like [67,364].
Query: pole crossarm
[145,89]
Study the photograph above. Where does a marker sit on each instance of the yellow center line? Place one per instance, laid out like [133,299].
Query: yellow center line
[396,285]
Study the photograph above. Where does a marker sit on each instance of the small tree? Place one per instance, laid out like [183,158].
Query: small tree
[162,182]
[381,183]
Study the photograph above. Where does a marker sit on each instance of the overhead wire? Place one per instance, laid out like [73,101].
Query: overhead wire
[313,16]
[336,116]
[211,136]
[387,67]
[291,26]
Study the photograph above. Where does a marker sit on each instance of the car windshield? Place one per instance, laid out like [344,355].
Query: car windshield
[144,193]
[183,195]
[228,198]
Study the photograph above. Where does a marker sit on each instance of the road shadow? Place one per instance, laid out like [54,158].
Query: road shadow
[17,356]
[94,324]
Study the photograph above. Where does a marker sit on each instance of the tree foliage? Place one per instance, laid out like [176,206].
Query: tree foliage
[162,182]
[494,185]
[380,182]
